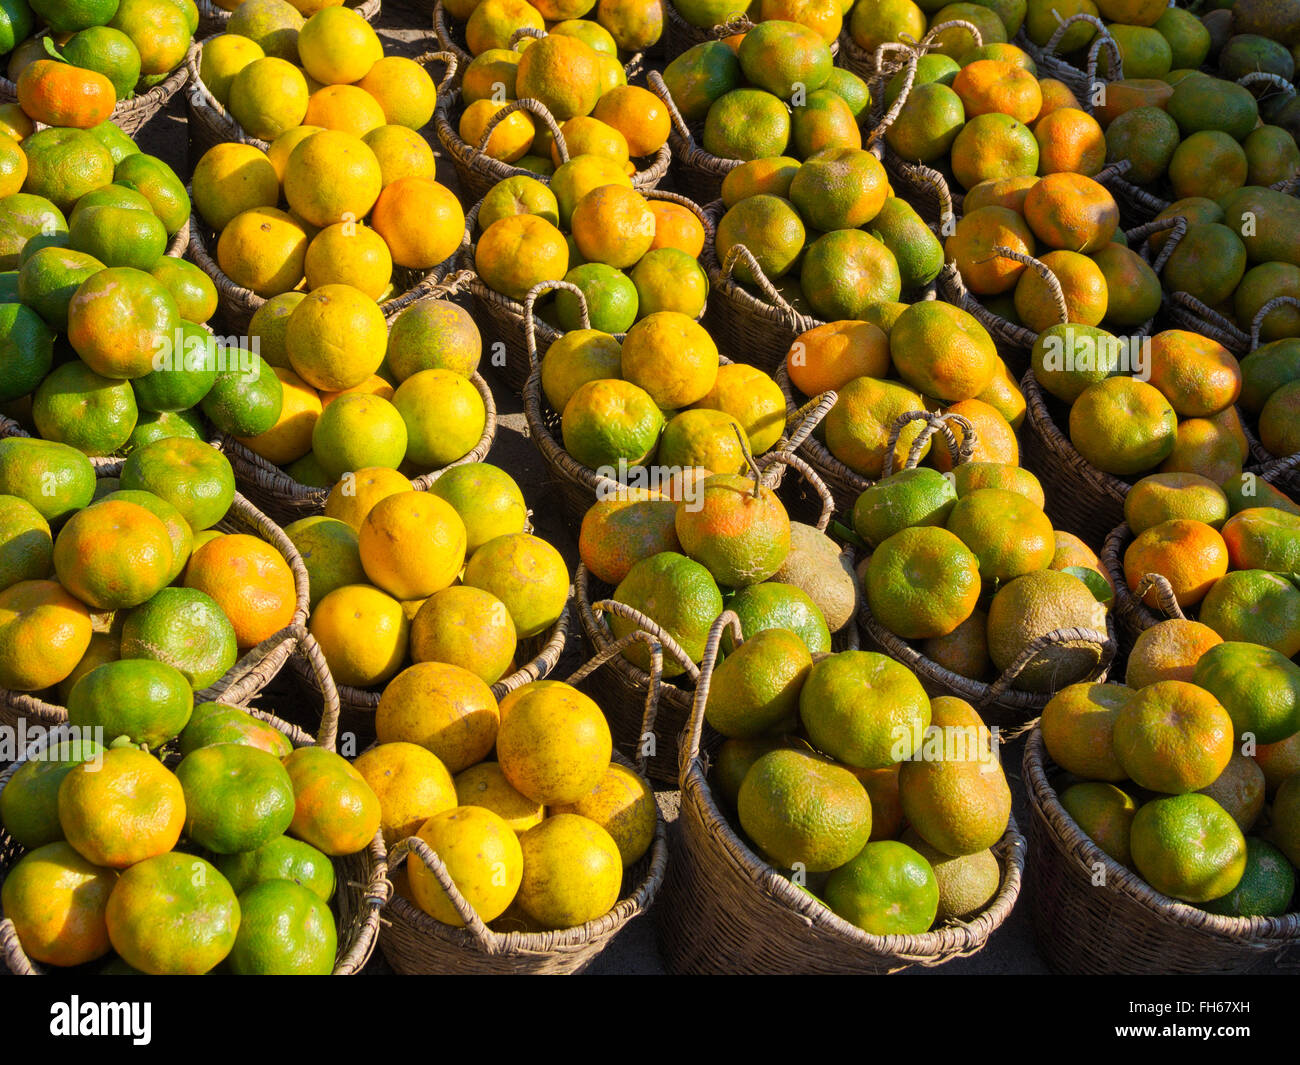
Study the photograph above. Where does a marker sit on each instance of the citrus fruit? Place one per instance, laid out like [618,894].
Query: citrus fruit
[411,784]
[57,901]
[1173,737]
[121,810]
[1188,847]
[363,634]
[482,856]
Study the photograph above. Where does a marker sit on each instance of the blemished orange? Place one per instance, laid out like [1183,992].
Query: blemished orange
[1173,737]
[1189,554]
[251,582]
[638,114]
[676,227]
[1072,212]
[412,544]
[1197,374]
[990,85]
[351,499]
[443,708]
[124,809]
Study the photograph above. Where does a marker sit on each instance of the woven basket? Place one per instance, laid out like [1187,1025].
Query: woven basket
[509,321]
[478,172]
[357,716]
[620,686]
[451,38]
[213,19]
[727,911]
[415,944]
[362,878]
[246,677]
[1135,617]
[209,123]
[131,114]
[1081,82]
[1092,915]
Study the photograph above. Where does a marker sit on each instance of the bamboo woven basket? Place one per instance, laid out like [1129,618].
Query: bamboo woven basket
[540,655]
[451,38]
[246,677]
[620,686]
[478,172]
[208,123]
[415,944]
[362,881]
[695,172]
[287,500]
[1122,925]
[727,911]
[213,19]
[508,321]
[1082,82]
[131,114]
[680,35]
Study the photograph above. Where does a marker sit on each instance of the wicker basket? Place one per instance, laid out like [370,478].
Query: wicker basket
[681,36]
[727,911]
[478,172]
[1082,83]
[620,686]
[213,19]
[695,172]
[451,38]
[131,114]
[509,322]
[1092,915]
[415,944]
[246,677]
[362,878]
[209,123]
[287,500]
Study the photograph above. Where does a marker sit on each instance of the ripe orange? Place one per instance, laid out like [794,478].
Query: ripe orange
[1191,555]
[251,582]
[412,544]
[1173,737]
[442,707]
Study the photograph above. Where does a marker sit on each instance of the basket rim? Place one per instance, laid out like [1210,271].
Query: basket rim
[1266,932]
[367,9]
[952,939]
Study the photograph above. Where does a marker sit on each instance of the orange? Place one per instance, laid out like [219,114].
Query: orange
[491,23]
[442,707]
[111,555]
[1078,727]
[1163,496]
[123,809]
[1123,426]
[1188,847]
[638,114]
[510,138]
[990,86]
[1212,447]
[334,808]
[554,746]
[467,626]
[349,254]
[1198,375]
[351,499]
[57,902]
[1056,94]
[230,179]
[563,73]
[858,426]
[345,108]
[613,225]
[1007,533]
[993,146]
[999,192]
[412,544]
[363,634]
[943,351]
[403,89]
[672,357]
[268,97]
[60,94]
[331,177]
[1072,212]
[263,249]
[831,355]
[676,227]
[46,632]
[401,153]
[624,806]
[337,46]
[279,150]
[517,252]
[486,786]
[1004,396]
[527,574]
[1255,606]
[1169,650]
[1173,737]
[1189,554]
[119,319]
[922,582]
[411,785]
[971,248]
[1262,538]
[1278,420]
[753,399]
[336,337]
[620,530]
[970,476]
[1070,140]
[995,439]
[250,581]
[482,856]
[1082,283]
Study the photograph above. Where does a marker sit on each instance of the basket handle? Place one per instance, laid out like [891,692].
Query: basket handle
[533,107]
[1115,58]
[938,186]
[657,86]
[1138,237]
[666,640]
[450,62]
[740,253]
[804,420]
[786,457]
[1156,582]
[1063,26]
[934,423]
[652,691]
[428,287]
[1262,77]
[1190,303]
[530,321]
[521,33]
[328,735]
[906,45]
[689,751]
[932,36]
[1004,681]
[464,910]
[887,119]
[1257,323]
[1044,271]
